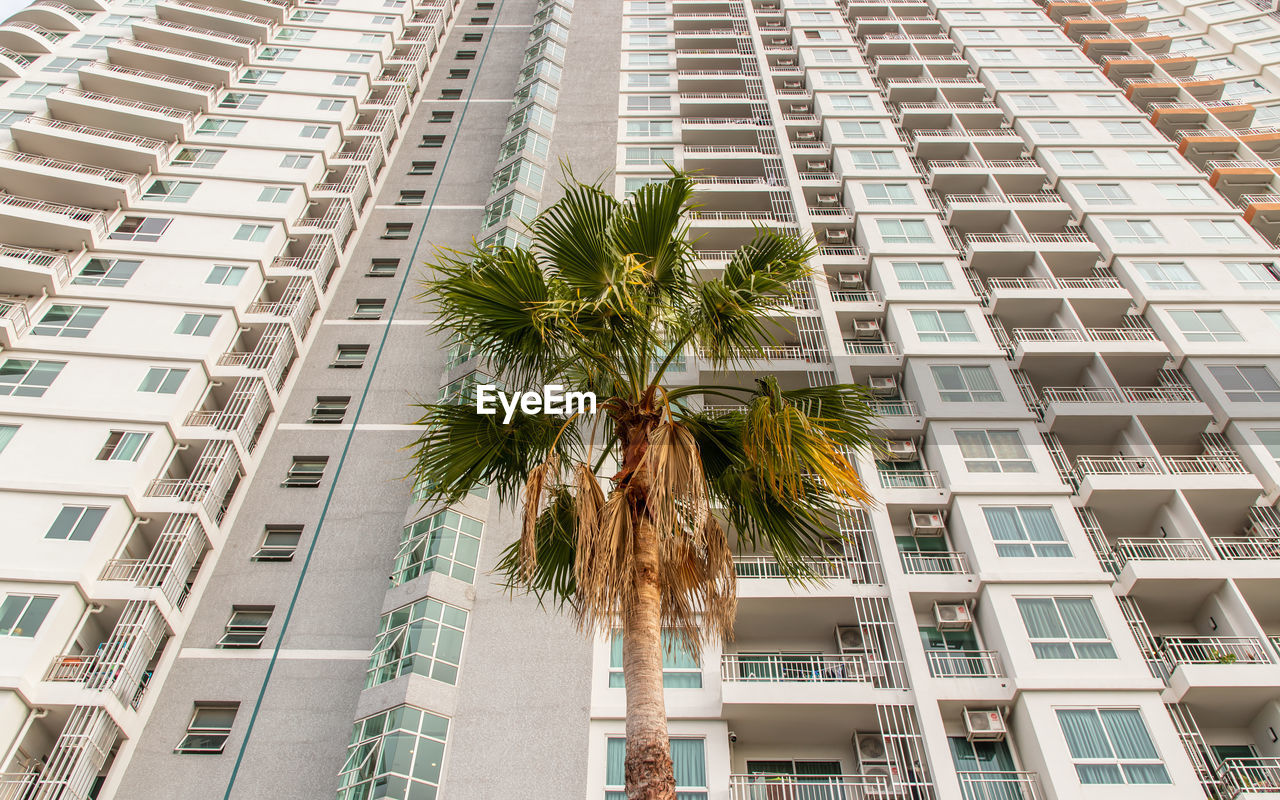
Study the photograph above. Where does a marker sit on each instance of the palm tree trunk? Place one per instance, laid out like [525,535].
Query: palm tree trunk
[648,764]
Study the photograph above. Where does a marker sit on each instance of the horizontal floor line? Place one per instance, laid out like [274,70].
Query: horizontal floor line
[363,426]
[297,655]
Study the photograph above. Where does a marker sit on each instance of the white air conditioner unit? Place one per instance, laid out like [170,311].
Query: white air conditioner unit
[883,385]
[900,450]
[818,165]
[836,236]
[871,750]
[801,108]
[952,616]
[787,62]
[851,280]
[828,199]
[768,6]
[927,523]
[793,84]
[849,639]
[806,136]
[984,725]
[889,788]
[866,328]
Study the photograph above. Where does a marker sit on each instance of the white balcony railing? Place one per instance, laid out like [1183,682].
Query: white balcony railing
[1080,394]
[935,562]
[895,408]
[1118,465]
[91,218]
[815,787]
[857,347]
[1215,650]
[1048,335]
[1159,394]
[1215,464]
[1155,549]
[756,567]
[964,663]
[1249,776]
[909,479]
[794,668]
[1247,548]
[56,263]
[1000,785]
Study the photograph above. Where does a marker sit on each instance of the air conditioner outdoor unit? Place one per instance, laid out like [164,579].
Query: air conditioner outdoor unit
[851,280]
[787,62]
[900,450]
[883,386]
[838,236]
[849,639]
[871,750]
[793,84]
[927,523]
[806,136]
[889,788]
[818,165]
[866,328]
[828,199]
[801,108]
[952,616]
[984,725]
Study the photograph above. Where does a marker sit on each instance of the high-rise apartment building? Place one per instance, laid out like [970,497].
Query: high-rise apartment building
[1046,243]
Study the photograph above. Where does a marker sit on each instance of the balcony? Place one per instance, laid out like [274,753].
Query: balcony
[794,668]
[964,664]
[121,114]
[269,358]
[789,787]
[240,415]
[295,305]
[1154,549]
[236,23]
[167,566]
[207,41]
[935,562]
[1234,672]
[1000,785]
[1180,650]
[178,62]
[68,180]
[139,84]
[1245,777]
[69,141]
[207,484]
[25,221]
[33,272]
[15,319]
[121,664]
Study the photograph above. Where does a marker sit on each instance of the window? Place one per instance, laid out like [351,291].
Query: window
[1172,275]
[904,231]
[647,59]
[281,54]
[648,128]
[445,542]
[645,102]
[76,523]
[141,229]
[997,55]
[1153,158]
[1133,231]
[680,670]
[473,37]
[650,156]
[8,118]
[1054,129]
[942,326]
[29,89]
[295,35]
[1078,159]
[1064,627]
[1080,78]
[1220,231]
[1105,194]
[1014,77]
[1034,102]
[198,157]
[346,81]
[411,197]
[274,194]
[397,753]
[351,356]
[123,446]
[919,276]
[383,267]
[314,131]
[1026,532]
[1248,27]
[465,55]
[368,308]
[966,384]
[831,56]
[888,194]
[252,233]
[441,116]
[994,451]
[1222,9]
[422,168]
[22,614]
[72,322]
[67,65]
[458,74]
[1111,745]
[688,756]
[397,230]
[434,141]
[162,380]
[831,77]
[295,161]
[1205,326]
[197,324]
[1126,129]
[450,94]
[861,129]
[7,433]
[647,40]
[305,472]
[242,101]
[513,204]
[1183,192]
[279,543]
[23,377]
[420,639]
[262,77]
[329,410]
[1247,384]
[873,159]
[1254,274]
[209,728]
[247,627]
[850,102]
[106,272]
[170,191]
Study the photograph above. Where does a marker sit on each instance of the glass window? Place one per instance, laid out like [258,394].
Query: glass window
[170,191]
[350,355]
[1111,745]
[1205,326]
[22,614]
[252,233]
[680,670]
[197,324]
[994,451]
[76,523]
[446,542]
[1133,231]
[274,194]
[24,377]
[163,380]
[942,326]
[222,128]
[918,276]
[395,754]
[1172,275]
[1183,192]
[1125,129]
[225,275]
[123,446]
[688,757]
[861,129]
[73,322]
[424,638]
[295,161]
[1078,159]
[209,728]
[279,543]
[850,102]
[966,384]
[198,157]
[141,229]
[6,435]
[650,156]
[247,628]
[1026,532]
[1105,194]
[883,194]
[831,77]
[904,231]
[873,159]
[1247,384]
[305,472]
[1153,158]
[1255,274]
[1220,231]
[1064,627]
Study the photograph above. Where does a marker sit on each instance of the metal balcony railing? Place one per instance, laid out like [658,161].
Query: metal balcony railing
[935,562]
[1250,775]
[1048,335]
[794,668]
[1208,464]
[1155,549]
[1081,394]
[1215,650]
[765,567]
[222,12]
[865,296]
[178,114]
[94,219]
[760,786]
[910,479]
[217,61]
[157,146]
[198,86]
[964,664]
[130,181]
[56,263]
[1247,548]
[895,408]
[1000,785]
[181,27]
[1118,465]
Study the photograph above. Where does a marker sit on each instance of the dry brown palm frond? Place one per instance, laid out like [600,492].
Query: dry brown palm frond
[603,566]
[699,594]
[677,500]
[538,486]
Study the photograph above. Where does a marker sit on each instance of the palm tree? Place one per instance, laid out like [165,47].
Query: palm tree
[606,299]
